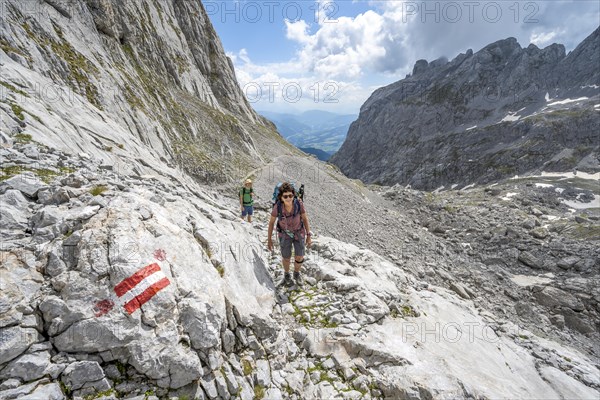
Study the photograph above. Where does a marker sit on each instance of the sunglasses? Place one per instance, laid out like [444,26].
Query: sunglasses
[287,196]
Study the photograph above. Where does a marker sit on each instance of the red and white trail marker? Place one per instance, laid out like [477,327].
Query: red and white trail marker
[135,291]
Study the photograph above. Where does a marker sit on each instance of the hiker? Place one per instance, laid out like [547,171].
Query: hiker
[247,200]
[292,229]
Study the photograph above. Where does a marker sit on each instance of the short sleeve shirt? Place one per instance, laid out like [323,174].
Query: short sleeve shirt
[287,222]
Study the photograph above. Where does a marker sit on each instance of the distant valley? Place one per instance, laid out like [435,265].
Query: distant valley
[315,132]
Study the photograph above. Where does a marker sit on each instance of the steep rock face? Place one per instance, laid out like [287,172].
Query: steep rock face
[104,76]
[502,111]
[70,300]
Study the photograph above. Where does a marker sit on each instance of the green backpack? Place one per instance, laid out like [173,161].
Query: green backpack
[247,199]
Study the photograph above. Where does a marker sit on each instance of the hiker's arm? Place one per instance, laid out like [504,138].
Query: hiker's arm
[271,225]
[269,240]
[305,220]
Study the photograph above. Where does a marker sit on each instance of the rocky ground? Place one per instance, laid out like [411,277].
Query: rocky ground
[529,250]
[513,248]
[367,324]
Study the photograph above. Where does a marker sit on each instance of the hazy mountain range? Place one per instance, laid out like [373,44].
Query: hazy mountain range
[315,132]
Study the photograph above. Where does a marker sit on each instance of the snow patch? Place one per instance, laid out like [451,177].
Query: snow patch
[473,127]
[547,97]
[565,175]
[582,206]
[567,101]
[509,195]
[544,185]
[550,217]
[510,118]
[582,175]
[529,280]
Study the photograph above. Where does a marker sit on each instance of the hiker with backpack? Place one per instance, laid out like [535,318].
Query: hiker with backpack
[292,230]
[247,200]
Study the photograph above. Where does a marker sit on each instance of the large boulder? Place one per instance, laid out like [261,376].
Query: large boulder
[15,340]
[85,375]
[553,297]
[27,183]
[28,367]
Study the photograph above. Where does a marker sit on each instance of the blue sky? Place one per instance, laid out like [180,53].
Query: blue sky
[291,56]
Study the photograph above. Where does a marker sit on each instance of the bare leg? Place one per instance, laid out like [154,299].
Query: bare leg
[298,265]
[286,264]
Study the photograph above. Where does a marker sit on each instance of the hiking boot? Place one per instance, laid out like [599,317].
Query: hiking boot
[298,278]
[287,280]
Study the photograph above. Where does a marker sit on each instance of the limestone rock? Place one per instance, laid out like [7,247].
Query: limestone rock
[27,367]
[393,141]
[15,340]
[82,373]
[26,183]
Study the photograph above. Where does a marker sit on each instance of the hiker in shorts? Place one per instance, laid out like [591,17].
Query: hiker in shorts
[247,200]
[292,230]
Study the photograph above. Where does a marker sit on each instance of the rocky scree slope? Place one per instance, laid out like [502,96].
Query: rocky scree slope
[116,79]
[502,111]
[219,329]
[522,249]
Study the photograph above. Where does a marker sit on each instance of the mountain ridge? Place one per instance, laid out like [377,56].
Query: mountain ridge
[445,124]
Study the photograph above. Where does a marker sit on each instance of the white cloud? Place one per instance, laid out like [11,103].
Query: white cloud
[297,31]
[288,88]
[542,39]
[343,48]
[381,45]
[244,56]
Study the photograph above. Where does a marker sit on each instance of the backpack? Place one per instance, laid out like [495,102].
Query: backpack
[243,193]
[301,192]
[276,192]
